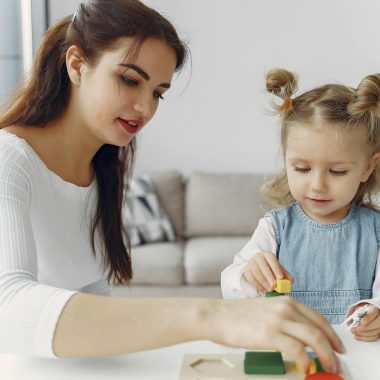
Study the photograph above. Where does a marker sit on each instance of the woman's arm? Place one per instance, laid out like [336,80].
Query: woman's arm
[29,310]
[93,325]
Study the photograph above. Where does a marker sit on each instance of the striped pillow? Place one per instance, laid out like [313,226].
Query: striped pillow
[143,216]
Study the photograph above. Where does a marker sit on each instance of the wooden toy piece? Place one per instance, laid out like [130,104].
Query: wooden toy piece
[323,376]
[273,294]
[312,368]
[283,286]
[317,362]
[315,366]
[231,367]
[263,363]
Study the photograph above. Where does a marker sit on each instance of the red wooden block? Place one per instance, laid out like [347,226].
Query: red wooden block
[323,376]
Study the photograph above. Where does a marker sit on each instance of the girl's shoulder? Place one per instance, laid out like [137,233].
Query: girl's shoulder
[280,211]
[368,218]
[369,212]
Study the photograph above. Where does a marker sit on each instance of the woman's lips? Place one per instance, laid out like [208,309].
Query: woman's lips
[131,126]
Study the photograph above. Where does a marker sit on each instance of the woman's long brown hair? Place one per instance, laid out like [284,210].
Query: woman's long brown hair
[44,96]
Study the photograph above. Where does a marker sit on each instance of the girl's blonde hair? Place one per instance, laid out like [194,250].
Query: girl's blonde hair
[335,104]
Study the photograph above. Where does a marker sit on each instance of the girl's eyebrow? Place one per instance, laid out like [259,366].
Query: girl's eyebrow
[142,73]
[299,159]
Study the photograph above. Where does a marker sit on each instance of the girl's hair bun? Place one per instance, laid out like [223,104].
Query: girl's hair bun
[366,97]
[281,82]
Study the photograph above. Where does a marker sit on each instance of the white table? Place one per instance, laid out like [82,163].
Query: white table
[362,360]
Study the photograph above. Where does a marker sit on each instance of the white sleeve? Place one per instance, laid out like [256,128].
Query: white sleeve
[29,310]
[375,300]
[233,282]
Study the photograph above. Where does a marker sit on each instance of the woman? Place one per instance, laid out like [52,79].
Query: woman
[66,144]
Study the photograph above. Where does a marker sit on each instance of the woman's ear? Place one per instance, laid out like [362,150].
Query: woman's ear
[75,62]
[372,163]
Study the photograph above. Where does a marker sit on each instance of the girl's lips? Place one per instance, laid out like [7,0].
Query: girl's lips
[128,126]
[319,201]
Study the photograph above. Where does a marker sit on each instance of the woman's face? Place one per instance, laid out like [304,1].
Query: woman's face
[117,97]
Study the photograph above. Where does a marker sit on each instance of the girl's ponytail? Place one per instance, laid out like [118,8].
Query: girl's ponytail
[283,84]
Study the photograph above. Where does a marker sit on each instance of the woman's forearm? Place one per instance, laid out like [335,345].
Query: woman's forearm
[93,325]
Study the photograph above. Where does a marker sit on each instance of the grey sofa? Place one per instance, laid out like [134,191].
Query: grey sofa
[214,215]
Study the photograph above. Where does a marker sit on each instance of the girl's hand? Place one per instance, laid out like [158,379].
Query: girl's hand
[278,323]
[369,327]
[263,270]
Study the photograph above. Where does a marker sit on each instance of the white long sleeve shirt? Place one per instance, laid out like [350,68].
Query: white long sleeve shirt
[235,285]
[45,250]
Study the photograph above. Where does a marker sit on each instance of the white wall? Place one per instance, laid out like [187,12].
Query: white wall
[214,117]
[11,54]
[219,123]
[10,48]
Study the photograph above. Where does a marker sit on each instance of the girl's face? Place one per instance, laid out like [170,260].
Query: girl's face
[325,167]
[116,98]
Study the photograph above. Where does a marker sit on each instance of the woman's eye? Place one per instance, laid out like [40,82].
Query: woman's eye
[158,95]
[129,81]
[302,170]
[338,172]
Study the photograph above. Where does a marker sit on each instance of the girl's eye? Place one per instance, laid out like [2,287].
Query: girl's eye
[302,170]
[158,95]
[338,172]
[129,81]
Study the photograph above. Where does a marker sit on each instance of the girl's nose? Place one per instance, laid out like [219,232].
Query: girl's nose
[319,183]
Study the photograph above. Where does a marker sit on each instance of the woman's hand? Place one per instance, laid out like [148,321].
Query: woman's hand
[278,323]
[369,327]
[263,270]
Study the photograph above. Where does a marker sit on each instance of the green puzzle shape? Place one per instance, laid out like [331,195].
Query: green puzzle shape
[263,363]
[273,294]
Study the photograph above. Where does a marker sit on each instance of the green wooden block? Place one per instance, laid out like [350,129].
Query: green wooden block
[273,294]
[263,363]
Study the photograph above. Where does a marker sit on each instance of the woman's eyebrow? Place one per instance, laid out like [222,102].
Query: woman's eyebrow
[142,73]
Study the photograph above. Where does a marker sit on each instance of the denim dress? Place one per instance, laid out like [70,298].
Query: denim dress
[333,264]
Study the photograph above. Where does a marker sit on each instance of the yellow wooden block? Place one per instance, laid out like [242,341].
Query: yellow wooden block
[312,368]
[283,286]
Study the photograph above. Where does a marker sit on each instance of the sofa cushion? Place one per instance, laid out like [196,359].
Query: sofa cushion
[223,204]
[143,216]
[206,257]
[158,263]
[169,188]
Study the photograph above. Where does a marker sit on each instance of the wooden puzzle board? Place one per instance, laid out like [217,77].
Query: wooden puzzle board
[231,367]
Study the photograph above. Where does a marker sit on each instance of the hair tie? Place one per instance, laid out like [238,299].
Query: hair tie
[287,105]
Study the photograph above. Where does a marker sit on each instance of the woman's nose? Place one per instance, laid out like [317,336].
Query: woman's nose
[145,106]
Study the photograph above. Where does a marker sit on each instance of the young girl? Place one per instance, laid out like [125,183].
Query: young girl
[66,144]
[326,237]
